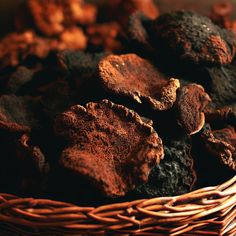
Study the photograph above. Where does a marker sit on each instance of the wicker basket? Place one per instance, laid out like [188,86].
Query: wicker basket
[207,211]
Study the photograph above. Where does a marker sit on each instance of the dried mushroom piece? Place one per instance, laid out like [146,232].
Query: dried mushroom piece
[19,78]
[222,84]
[72,38]
[222,145]
[191,101]
[104,36]
[128,7]
[53,17]
[174,175]
[137,31]
[79,64]
[17,114]
[15,48]
[131,76]
[187,37]
[109,145]
[221,116]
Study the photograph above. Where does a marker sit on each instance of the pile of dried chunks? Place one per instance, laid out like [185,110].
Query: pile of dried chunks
[116,101]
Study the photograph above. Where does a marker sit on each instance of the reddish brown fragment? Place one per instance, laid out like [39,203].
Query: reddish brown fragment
[222,144]
[191,101]
[131,76]
[72,38]
[104,36]
[14,48]
[53,17]
[221,12]
[110,145]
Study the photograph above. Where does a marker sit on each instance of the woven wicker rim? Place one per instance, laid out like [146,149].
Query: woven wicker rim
[207,211]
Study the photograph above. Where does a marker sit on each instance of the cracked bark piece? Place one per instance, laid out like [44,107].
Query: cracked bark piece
[17,114]
[222,145]
[131,76]
[173,176]
[15,48]
[109,145]
[191,101]
[53,17]
[104,36]
[189,38]
[222,84]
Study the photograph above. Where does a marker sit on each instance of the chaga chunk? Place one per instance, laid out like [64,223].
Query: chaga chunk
[222,145]
[130,76]
[72,38]
[222,84]
[104,36]
[14,48]
[19,78]
[186,37]
[53,17]
[80,64]
[137,31]
[109,145]
[173,176]
[191,101]
[17,114]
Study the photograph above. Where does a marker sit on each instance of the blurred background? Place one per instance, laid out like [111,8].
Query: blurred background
[8,8]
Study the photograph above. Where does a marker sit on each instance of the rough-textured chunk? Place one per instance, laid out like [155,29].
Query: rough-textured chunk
[104,36]
[174,175]
[191,101]
[188,37]
[131,76]
[222,145]
[14,48]
[52,17]
[17,114]
[109,145]
[222,84]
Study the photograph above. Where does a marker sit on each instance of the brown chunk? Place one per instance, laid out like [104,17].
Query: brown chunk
[133,77]
[222,144]
[104,36]
[72,38]
[52,17]
[14,48]
[110,145]
[17,114]
[191,101]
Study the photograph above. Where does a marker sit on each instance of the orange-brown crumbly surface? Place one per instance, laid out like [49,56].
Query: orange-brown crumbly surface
[134,77]
[108,144]
[191,101]
[53,17]
[14,48]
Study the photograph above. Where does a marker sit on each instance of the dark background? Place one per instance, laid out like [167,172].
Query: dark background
[9,7]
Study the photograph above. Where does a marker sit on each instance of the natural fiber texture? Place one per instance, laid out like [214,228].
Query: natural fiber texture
[207,211]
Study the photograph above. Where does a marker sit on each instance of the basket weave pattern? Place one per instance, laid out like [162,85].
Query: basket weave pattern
[207,211]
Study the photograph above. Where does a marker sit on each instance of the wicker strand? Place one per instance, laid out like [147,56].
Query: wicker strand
[207,211]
